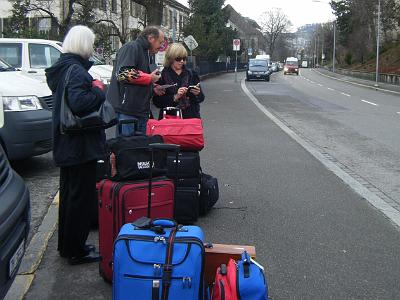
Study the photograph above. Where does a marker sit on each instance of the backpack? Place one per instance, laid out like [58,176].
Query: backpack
[242,280]
[209,193]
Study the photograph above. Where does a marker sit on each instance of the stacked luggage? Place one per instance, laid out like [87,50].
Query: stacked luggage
[150,184]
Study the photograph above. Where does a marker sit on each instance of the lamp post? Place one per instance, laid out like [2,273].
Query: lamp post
[378,37]
[334,38]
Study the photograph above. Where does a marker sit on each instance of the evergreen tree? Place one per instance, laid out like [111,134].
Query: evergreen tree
[207,25]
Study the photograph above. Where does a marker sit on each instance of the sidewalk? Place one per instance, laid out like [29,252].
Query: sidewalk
[358,81]
[315,236]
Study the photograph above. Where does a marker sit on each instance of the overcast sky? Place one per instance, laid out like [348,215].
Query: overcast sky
[300,12]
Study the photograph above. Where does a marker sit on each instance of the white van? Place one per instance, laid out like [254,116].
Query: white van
[33,56]
[25,112]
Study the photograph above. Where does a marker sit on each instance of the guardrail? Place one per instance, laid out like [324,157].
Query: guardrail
[382,77]
[207,67]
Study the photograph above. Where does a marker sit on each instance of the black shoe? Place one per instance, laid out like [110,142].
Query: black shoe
[90,248]
[78,260]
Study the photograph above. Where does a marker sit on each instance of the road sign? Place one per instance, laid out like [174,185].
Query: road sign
[190,42]
[236,45]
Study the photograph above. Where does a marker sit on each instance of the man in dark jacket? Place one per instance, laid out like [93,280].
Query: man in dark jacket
[132,99]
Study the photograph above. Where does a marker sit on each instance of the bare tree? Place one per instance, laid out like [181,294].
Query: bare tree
[273,23]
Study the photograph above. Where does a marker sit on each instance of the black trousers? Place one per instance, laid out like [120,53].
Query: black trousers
[77,191]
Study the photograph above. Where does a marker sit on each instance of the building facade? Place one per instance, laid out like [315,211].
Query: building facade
[124,16]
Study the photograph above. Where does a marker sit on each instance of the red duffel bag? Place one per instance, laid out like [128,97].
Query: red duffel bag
[188,133]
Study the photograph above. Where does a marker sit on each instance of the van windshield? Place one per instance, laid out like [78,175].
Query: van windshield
[258,63]
[292,63]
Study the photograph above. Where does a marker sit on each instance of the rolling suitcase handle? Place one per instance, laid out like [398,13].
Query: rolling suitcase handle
[163,147]
[133,121]
[178,113]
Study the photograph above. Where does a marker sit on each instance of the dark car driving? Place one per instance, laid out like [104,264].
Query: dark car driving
[258,69]
[14,222]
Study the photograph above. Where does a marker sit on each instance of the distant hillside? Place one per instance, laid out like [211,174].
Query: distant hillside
[389,62]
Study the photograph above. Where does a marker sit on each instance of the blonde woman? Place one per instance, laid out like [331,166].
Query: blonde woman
[186,92]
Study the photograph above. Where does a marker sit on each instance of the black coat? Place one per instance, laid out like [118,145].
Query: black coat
[168,76]
[126,98]
[82,147]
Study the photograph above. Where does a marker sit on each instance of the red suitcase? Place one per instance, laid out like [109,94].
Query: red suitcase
[125,202]
[188,133]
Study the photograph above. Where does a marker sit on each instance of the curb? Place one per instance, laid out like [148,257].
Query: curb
[34,253]
[381,205]
[359,84]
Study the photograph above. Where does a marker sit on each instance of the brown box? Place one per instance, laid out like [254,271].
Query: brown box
[220,254]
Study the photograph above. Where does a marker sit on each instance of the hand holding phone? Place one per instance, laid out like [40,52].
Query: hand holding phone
[194,89]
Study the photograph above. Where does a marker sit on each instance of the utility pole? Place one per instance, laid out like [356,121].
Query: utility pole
[334,47]
[378,37]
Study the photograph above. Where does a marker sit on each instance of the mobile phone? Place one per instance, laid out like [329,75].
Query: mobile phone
[193,86]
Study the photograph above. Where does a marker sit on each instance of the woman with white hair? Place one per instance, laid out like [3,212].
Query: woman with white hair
[76,153]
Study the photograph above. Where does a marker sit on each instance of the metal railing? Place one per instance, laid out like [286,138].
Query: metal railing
[382,77]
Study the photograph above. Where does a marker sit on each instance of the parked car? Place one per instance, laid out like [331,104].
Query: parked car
[274,67]
[291,66]
[25,105]
[14,222]
[258,69]
[32,56]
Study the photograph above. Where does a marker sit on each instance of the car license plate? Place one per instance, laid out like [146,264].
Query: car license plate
[15,259]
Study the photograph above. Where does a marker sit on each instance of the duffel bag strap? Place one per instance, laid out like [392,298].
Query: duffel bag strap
[167,270]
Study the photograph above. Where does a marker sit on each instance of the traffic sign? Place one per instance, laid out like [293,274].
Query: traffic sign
[190,42]
[236,45]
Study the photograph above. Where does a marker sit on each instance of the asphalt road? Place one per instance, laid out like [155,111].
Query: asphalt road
[316,237]
[357,126]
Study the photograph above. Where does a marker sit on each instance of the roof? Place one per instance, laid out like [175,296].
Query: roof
[177,5]
[246,25]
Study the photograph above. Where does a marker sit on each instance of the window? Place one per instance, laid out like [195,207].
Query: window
[44,24]
[102,4]
[42,56]
[11,54]
[181,22]
[114,6]
[171,19]
[165,17]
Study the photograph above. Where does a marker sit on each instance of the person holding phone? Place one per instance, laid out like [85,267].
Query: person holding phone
[131,98]
[183,85]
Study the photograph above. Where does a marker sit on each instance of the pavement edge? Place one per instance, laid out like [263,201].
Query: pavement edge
[34,253]
[391,213]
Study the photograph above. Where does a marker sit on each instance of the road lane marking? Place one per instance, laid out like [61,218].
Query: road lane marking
[312,81]
[390,212]
[330,89]
[320,84]
[372,103]
[398,112]
[344,94]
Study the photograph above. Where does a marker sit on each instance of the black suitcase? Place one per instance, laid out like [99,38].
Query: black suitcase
[186,209]
[188,165]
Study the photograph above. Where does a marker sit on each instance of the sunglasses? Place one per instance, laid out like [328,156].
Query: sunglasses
[180,59]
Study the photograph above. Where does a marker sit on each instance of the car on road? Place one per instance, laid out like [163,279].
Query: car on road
[274,67]
[258,69]
[291,66]
[14,222]
[33,56]
[25,106]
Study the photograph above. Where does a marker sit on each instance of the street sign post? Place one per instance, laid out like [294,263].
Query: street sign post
[236,48]
[192,44]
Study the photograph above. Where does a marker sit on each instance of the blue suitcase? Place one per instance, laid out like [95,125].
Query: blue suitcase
[158,260]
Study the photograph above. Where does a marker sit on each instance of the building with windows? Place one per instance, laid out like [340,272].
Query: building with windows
[249,31]
[123,17]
